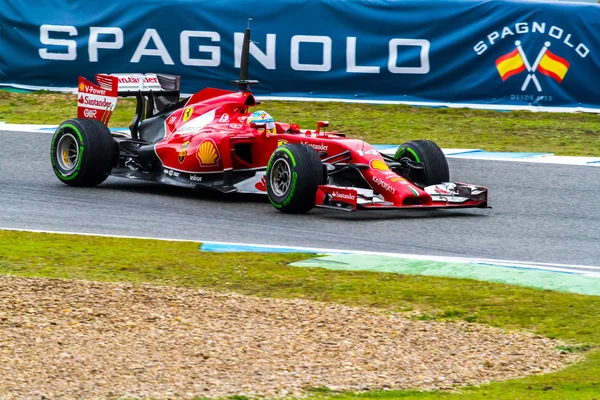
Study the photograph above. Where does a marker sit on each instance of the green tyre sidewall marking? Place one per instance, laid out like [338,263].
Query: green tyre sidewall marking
[274,204]
[402,150]
[289,153]
[75,173]
[290,196]
[292,190]
[414,153]
[399,153]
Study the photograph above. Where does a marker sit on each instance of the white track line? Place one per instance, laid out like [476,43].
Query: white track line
[571,268]
[476,154]
[26,128]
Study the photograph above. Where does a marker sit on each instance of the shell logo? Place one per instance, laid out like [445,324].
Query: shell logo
[81,87]
[208,153]
[379,165]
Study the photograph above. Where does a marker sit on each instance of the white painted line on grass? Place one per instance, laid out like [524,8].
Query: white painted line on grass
[506,263]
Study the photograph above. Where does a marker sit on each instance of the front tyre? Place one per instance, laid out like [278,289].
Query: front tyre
[83,152]
[435,166]
[293,174]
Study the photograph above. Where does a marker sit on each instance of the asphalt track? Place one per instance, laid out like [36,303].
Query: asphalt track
[541,213]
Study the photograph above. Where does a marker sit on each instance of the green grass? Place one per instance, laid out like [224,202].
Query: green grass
[560,133]
[575,319]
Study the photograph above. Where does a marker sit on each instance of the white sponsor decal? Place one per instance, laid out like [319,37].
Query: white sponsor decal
[526,28]
[196,124]
[236,126]
[135,79]
[93,90]
[320,146]
[170,172]
[371,152]
[98,102]
[59,42]
[195,178]
[128,82]
[89,113]
[384,184]
[224,118]
[347,196]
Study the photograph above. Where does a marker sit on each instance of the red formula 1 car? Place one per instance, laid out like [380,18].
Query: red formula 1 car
[212,140]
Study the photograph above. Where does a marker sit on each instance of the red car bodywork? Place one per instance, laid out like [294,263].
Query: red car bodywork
[208,136]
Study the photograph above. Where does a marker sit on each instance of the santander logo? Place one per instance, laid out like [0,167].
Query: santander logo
[318,147]
[94,102]
[133,79]
[347,196]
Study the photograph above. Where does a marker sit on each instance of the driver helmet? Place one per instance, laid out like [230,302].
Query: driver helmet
[262,117]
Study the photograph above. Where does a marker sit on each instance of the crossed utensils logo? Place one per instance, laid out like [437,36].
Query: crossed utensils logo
[531,69]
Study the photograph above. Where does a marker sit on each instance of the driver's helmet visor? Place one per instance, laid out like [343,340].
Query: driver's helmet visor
[262,117]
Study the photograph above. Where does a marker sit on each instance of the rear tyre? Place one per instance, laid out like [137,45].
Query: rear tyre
[293,174]
[83,152]
[431,156]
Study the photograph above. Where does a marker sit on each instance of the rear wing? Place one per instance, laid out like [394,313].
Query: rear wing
[145,84]
[97,101]
[154,93]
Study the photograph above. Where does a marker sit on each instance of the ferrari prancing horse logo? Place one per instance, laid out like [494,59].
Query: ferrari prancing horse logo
[187,114]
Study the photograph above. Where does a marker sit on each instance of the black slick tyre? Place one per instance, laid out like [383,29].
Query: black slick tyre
[293,174]
[83,152]
[431,156]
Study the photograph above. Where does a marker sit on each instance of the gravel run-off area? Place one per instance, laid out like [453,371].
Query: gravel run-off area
[64,339]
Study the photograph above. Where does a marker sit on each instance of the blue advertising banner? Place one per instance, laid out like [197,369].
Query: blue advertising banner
[498,53]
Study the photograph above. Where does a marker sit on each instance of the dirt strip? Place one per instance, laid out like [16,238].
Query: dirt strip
[72,339]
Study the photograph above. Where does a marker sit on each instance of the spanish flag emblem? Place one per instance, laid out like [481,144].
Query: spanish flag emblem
[510,64]
[553,66]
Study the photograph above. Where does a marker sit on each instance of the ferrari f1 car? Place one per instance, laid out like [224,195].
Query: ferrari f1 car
[211,140]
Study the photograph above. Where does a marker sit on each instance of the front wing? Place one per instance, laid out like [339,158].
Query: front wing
[443,195]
